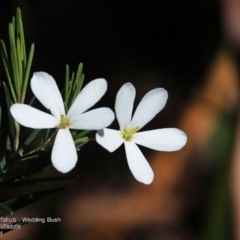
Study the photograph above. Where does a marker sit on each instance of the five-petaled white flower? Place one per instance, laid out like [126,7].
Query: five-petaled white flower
[168,139]
[44,87]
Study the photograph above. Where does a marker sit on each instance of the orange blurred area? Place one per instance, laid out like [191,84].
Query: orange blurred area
[161,208]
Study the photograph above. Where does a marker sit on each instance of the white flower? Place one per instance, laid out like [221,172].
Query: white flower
[168,139]
[44,87]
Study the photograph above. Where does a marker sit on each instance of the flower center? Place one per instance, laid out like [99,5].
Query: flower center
[64,122]
[128,133]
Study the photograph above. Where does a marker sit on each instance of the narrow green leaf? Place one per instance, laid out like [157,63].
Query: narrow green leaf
[20,67]
[3,163]
[3,50]
[82,140]
[4,53]
[67,74]
[21,35]
[82,134]
[78,76]
[46,134]
[9,144]
[79,86]
[14,60]
[70,89]
[7,69]
[78,81]
[4,208]
[9,116]
[32,100]
[79,145]
[13,25]
[31,137]
[27,72]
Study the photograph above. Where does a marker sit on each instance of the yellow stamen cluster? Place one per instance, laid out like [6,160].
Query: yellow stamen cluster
[127,134]
[64,122]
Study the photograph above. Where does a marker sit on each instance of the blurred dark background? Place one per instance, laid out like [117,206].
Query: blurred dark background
[165,43]
[176,39]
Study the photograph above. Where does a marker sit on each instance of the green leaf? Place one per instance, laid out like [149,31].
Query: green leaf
[20,67]
[9,116]
[72,86]
[79,145]
[7,68]
[17,66]
[3,163]
[14,60]
[5,209]
[82,134]
[32,100]
[31,137]
[46,135]
[82,140]
[13,25]
[20,32]
[70,89]
[78,82]
[67,76]
[27,71]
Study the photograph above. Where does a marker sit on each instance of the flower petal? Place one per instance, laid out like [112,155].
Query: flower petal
[95,119]
[151,104]
[89,95]
[167,139]
[109,139]
[32,117]
[138,164]
[64,154]
[124,104]
[46,90]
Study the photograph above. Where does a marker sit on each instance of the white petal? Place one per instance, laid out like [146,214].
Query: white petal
[46,90]
[151,104]
[167,139]
[124,104]
[138,164]
[89,95]
[109,139]
[64,154]
[32,117]
[95,119]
